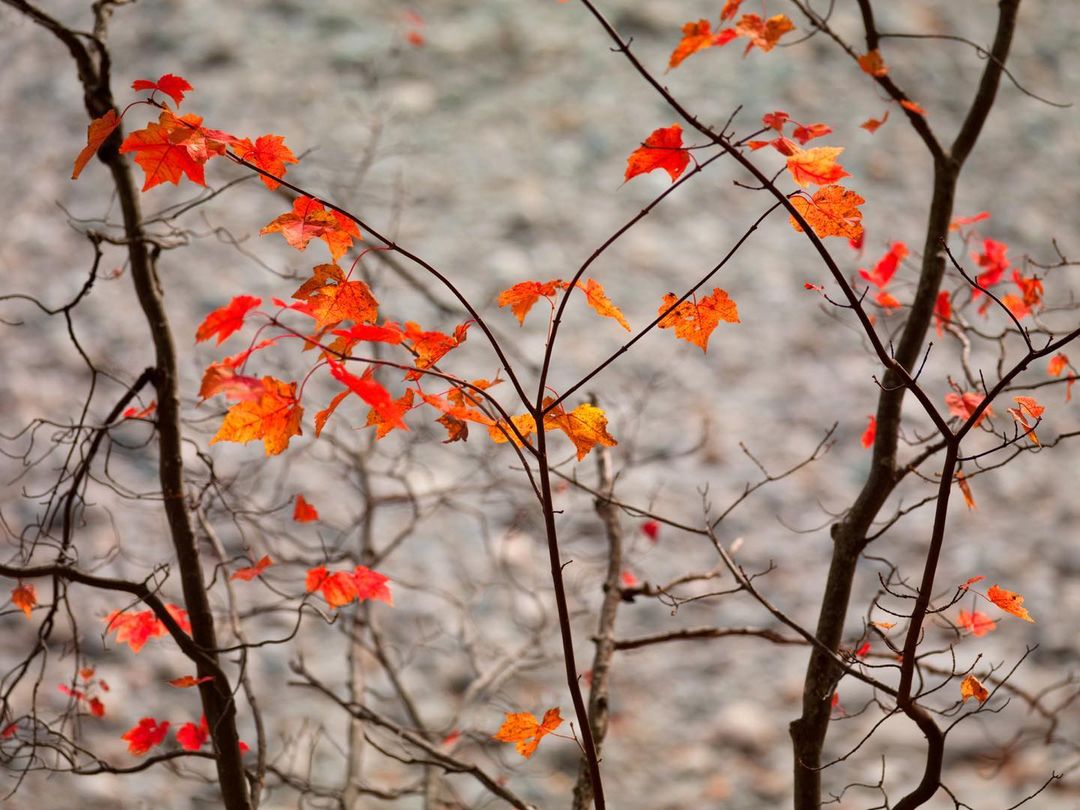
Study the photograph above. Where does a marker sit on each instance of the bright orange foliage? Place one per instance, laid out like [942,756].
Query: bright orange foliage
[816,166]
[525,731]
[972,687]
[521,297]
[188,681]
[663,149]
[763,33]
[912,107]
[342,587]
[969,499]
[942,311]
[269,153]
[872,63]
[586,426]
[1029,408]
[870,433]
[173,147]
[1057,364]
[696,37]
[886,266]
[252,571]
[1009,602]
[369,390]
[309,220]
[24,597]
[135,629]
[976,622]
[871,125]
[832,211]
[273,417]
[598,300]
[96,134]
[146,735]
[964,405]
[695,320]
[170,85]
[958,222]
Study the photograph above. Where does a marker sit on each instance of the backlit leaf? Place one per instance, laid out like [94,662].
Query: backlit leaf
[309,220]
[763,34]
[586,426]
[832,211]
[969,499]
[170,85]
[304,512]
[695,320]
[372,392]
[886,266]
[816,166]
[872,125]
[964,405]
[663,149]
[1057,364]
[521,297]
[599,301]
[975,622]
[24,597]
[96,134]
[146,735]
[870,433]
[269,153]
[273,417]
[226,320]
[188,681]
[525,731]
[252,571]
[135,629]
[872,63]
[193,737]
[971,687]
[1009,602]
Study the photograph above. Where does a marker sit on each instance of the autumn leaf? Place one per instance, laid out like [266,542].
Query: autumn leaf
[146,735]
[193,737]
[872,125]
[804,133]
[886,300]
[226,320]
[525,731]
[964,405]
[832,211]
[1057,364]
[586,426]
[135,629]
[97,133]
[942,311]
[170,85]
[816,166]
[872,63]
[995,263]
[628,579]
[304,512]
[500,432]
[730,9]
[958,222]
[24,597]
[521,297]
[173,147]
[188,681]
[1029,407]
[886,266]
[140,413]
[372,585]
[975,622]
[97,708]
[651,529]
[273,417]
[968,583]
[969,499]
[269,153]
[763,33]
[340,588]
[663,149]
[252,571]
[369,390]
[309,220]
[695,320]
[912,107]
[972,687]
[598,300]
[696,37]
[1009,602]
[383,427]
[870,433]
[344,301]
[430,346]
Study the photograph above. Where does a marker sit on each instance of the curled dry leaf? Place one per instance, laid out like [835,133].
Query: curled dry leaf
[971,687]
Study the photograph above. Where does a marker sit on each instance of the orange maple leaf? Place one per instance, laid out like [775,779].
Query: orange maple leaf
[227,319]
[964,405]
[430,346]
[586,426]
[342,587]
[269,153]
[817,166]
[695,320]
[146,735]
[807,132]
[343,301]
[972,687]
[304,512]
[598,300]
[832,211]
[763,33]
[1029,407]
[173,147]
[969,499]
[309,220]
[24,597]
[97,133]
[500,432]
[976,622]
[135,629]
[521,297]
[170,85]
[325,413]
[696,37]
[958,222]
[252,571]
[188,681]
[886,266]
[382,426]
[372,392]
[871,125]
[273,417]
[525,731]
[1057,364]
[872,63]
[663,149]
[1009,602]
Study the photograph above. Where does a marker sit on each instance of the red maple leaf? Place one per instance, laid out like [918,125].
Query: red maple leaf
[249,573]
[663,149]
[309,220]
[304,512]
[135,629]
[170,85]
[269,153]
[193,737]
[227,319]
[146,735]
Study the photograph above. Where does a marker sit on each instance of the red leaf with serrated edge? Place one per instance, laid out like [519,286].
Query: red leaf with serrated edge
[193,737]
[337,588]
[694,321]
[269,153]
[995,262]
[389,332]
[188,681]
[525,731]
[964,405]
[173,147]
[24,597]
[135,629]
[371,392]
[697,36]
[249,573]
[274,417]
[886,266]
[430,346]
[1009,602]
[975,622]
[808,132]
[309,220]
[775,120]
[146,735]
[170,85]
[402,405]
[663,149]
[763,34]
[227,319]
[344,301]
[96,134]
[816,166]
[870,433]
[304,512]
[221,378]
